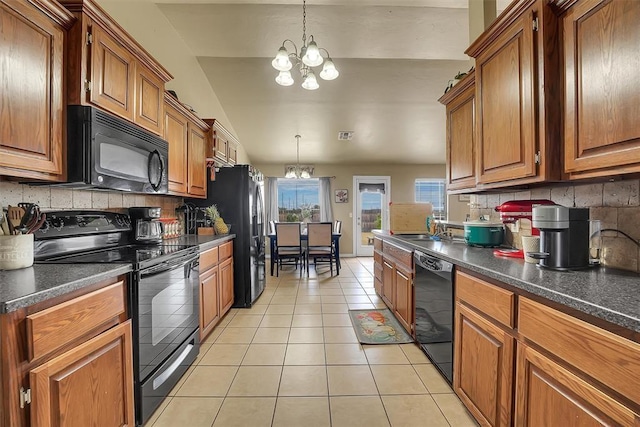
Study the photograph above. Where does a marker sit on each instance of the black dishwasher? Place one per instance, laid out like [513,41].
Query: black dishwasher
[434,310]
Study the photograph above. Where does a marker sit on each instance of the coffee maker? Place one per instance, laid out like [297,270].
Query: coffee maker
[564,237]
[147,228]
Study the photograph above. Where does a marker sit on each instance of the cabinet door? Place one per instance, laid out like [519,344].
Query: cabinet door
[547,394]
[388,276]
[461,166]
[403,301]
[112,75]
[226,285]
[506,119]
[90,385]
[149,100]
[483,367]
[197,174]
[209,307]
[176,133]
[31,93]
[602,129]
[221,146]
[232,158]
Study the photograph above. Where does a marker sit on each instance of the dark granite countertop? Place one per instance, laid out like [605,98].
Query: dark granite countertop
[609,294]
[205,242]
[27,286]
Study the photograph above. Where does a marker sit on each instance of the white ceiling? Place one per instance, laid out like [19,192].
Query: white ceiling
[395,58]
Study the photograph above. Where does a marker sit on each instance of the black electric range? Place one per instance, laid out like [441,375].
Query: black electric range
[163,293]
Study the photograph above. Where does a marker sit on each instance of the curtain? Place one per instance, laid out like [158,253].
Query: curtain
[326,213]
[271,185]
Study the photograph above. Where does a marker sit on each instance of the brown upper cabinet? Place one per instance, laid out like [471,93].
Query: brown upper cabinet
[109,69]
[461,160]
[602,100]
[32,117]
[188,138]
[224,146]
[518,97]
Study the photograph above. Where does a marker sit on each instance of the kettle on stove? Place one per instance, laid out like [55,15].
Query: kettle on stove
[147,227]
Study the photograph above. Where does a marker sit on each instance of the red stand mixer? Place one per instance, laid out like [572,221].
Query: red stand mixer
[515,210]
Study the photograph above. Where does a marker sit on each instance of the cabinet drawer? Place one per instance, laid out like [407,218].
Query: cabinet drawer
[226,250]
[208,259]
[600,354]
[487,298]
[377,257]
[399,254]
[377,243]
[50,329]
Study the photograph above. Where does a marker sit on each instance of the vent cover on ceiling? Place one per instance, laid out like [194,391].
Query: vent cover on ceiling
[345,135]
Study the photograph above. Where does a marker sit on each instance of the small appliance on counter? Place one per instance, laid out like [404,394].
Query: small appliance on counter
[564,237]
[147,227]
[514,211]
[483,233]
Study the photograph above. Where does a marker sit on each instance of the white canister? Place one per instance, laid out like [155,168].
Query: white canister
[16,251]
[530,244]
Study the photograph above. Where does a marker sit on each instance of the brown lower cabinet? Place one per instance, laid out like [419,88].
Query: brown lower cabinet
[68,361]
[520,362]
[216,286]
[393,271]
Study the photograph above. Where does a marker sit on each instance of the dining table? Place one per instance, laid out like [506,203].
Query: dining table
[335,238]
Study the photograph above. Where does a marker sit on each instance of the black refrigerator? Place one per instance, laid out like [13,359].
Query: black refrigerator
[238,194]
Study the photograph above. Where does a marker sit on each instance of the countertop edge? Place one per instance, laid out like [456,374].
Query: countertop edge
[64,288]
[601,312]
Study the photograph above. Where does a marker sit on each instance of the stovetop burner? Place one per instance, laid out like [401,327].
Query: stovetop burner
[79,237]
[130,254]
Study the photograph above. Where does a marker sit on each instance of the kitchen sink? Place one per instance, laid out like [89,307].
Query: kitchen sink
[416,236]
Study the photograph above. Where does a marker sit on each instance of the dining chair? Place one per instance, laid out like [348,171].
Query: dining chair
[337,227]
[289,249]
[319,244]
[272,227]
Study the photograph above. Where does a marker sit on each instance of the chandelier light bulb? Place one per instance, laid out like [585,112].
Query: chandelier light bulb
[284,78]
[329,70]
[304,174]
[282,62]
[310,82]
[312,56]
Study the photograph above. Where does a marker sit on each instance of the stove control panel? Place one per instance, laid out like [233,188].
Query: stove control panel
[79,223]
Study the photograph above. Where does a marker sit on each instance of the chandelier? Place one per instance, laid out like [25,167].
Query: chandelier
[310,56]
[297,171]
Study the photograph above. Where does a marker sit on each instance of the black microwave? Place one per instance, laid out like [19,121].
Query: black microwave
[107,152]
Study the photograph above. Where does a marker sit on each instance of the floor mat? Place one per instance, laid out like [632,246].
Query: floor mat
[378,326]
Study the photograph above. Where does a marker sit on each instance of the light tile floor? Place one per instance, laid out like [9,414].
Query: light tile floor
[293,360]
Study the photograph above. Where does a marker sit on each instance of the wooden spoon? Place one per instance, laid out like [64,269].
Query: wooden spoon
[14,216]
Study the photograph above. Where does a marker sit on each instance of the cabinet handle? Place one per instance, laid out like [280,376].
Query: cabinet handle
[160,379]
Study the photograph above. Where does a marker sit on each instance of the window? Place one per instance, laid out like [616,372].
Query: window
[298,200]
[434,192]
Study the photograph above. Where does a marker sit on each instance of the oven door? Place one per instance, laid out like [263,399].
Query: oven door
[165,313]
[434,292]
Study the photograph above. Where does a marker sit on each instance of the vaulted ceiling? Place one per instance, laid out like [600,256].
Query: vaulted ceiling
[395,59]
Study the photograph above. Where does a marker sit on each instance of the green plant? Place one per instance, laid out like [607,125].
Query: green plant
[377,224]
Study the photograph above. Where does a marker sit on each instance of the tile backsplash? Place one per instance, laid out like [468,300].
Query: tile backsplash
[616,204]
[56,198]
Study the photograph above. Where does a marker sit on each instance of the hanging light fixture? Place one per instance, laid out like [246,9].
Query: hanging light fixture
[297,171]
[310,56]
